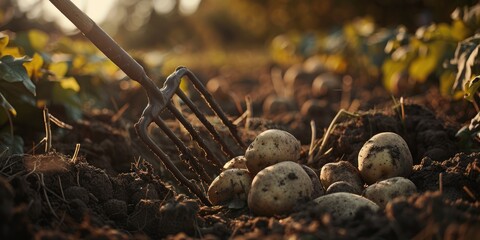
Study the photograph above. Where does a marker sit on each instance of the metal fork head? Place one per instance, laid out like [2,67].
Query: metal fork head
[160,101]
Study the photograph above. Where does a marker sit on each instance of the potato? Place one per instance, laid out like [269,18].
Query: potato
[326,83]
[385,155]
[317,185]
[343,206]
[384,191]
[270,147]
[343,186]
[278,188]
[231,184]
[341,171]
[236,162]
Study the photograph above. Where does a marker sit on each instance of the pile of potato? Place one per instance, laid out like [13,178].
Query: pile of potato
[269,179]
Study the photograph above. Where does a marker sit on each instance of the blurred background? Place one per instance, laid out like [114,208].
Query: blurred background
[197,24]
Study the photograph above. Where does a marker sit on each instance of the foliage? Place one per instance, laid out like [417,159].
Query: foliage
[403,60]
[37,71]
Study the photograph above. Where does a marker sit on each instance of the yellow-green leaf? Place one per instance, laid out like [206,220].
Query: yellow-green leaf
[59,69]
[38,39]
[472,88]
[391,70]
[70,83]
[3,42]
[33,67]
[12,51]
[427,62]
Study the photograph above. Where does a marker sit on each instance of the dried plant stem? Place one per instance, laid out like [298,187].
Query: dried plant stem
[313,127]
[247,115]
[346,92]
[48,130]
[330,128]
[402,108]
[440,182]
[278,83]
[75,154]
[248,102]
[120,112]
[59,123]
[469,192]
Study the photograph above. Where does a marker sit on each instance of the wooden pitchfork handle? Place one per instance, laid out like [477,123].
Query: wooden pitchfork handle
[105,43]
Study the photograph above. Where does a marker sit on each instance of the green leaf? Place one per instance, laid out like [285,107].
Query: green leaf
[10,144]
[68,98]
[6,105]
[472,88]
[12,70]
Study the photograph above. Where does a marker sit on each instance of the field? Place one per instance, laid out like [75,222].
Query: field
[73,165]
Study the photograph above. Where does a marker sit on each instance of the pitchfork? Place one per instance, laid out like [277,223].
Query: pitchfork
[159,100]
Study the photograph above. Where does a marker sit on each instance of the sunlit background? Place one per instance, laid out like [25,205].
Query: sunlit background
[99,10]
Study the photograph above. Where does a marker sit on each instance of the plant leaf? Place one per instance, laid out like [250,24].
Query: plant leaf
[70,83]
[12,70]
[472,88]
[6,105]
[3,42]
[10,145]
[33,67]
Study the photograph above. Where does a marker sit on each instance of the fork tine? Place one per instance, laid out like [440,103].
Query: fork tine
[182,71]
[206,123]
[141,128]
[195,135]
[192,160]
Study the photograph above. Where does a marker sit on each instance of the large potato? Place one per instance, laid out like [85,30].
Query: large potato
[385,155]
[270,147]
[278,188]
[343,206]
[341,171]
[384,191]
[231,184]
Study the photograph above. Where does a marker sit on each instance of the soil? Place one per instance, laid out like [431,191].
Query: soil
[117,189]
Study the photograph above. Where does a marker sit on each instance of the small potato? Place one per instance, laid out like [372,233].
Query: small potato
[341,171]
[270,147]
[343,206]
[278,188]
[231,184]
[385,155]
[343,186]
[384,191]
[236,162]
[317,185]
[326,83]
[276,105]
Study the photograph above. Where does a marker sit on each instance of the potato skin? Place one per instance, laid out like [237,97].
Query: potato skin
[341,171]
[278,188]
[236,162]
[317,185]
[384,191]
[385,155]
[343,186]
[230,184]
[343,206]
[270,147]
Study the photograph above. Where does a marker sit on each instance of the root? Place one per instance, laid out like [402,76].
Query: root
[42,182]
